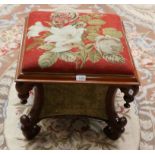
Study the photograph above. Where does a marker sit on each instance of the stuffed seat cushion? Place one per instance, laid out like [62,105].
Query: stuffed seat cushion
[71,42]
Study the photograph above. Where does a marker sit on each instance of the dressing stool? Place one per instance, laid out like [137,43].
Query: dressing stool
[75,62]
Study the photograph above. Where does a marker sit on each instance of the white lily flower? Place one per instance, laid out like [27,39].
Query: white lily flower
[65,37]
[35,29]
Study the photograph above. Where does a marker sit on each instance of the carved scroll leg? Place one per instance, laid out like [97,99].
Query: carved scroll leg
[116,124]
[23,91]
[29,125]
[129,94]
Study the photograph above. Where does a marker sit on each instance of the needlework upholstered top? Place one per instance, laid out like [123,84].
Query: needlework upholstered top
[71,42]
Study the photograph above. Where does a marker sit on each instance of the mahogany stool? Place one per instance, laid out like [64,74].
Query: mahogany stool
[74,54]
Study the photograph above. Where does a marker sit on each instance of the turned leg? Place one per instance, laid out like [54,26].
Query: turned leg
[115,124]
[28,127]
[23,91]
[29,122]
[129,94]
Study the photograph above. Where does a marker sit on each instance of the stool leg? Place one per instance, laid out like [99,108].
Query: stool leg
[129,94]
[29,122]
[28,127]
[115,124]
[23,91]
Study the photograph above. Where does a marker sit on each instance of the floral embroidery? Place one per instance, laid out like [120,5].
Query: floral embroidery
[59,19]
[65,38]
[73,38]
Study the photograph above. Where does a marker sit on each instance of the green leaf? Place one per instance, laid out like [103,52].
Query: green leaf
[82,56]
[96,15]
[33,45]
[114,58]
[85,18]
[93,29]
[37,42]
[88,47]
[91,37]
[38,39]
[113,32]
[94,56]
[46,47]
[96,22]
[67,56]
[47,59]
[93,34]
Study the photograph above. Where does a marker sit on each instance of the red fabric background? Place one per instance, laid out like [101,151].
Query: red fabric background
[30,60]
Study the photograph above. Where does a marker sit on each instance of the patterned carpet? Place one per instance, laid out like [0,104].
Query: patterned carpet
[140,27]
